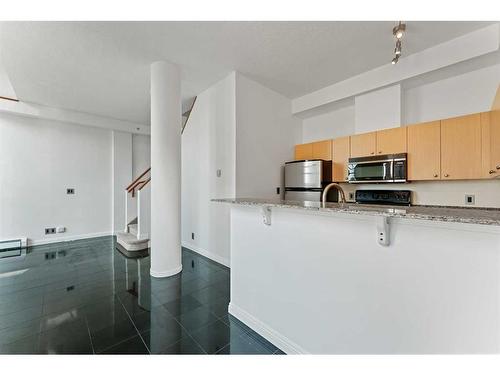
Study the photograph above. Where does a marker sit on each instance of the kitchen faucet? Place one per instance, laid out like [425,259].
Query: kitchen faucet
[339,188]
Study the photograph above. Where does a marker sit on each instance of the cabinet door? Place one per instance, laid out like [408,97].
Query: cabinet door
[304,151]
[461,148]
[490,131]
[341,152]
[322,150]
[391,141]
[424,151]
[363,144]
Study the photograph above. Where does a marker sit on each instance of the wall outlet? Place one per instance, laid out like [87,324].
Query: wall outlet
[219,172]
[60,229]
[192,236]
[50,230]
[470,199]
[277,190]
[70,191]
[351,196]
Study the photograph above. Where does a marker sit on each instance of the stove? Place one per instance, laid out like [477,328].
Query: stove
[387,197]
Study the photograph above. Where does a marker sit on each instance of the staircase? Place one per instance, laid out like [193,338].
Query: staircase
[135,236]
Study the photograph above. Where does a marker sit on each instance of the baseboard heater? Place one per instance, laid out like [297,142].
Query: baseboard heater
[12,247]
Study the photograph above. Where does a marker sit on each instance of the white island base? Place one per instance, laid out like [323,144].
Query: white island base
[319,282]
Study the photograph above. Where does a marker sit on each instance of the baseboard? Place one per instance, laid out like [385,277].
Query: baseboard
[68,238]
[167,273]
[274,337]
[216,258]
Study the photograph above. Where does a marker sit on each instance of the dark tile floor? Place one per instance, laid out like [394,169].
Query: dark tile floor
[86,297]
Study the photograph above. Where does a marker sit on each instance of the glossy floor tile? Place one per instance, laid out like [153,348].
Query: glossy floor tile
[86,297]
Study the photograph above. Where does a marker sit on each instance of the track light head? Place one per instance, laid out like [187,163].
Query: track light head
[399,30]
[397,50]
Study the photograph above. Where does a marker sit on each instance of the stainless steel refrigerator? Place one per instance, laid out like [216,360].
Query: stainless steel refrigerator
[306,179]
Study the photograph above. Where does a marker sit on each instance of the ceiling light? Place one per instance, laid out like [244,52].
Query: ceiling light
[397,50]
[399,30]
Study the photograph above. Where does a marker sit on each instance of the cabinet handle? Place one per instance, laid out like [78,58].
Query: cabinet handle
[498,166]
[435,175]
[371,153]
[492,171]
[446,175]
[380,152]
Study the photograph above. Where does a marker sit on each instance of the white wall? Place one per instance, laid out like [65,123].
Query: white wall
[266,133]
[141,154]
[334,124]
[320,283]
[378,109]
[208,144]
[459,95]
[39,159]
[121,176]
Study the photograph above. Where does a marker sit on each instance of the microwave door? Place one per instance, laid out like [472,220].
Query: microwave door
[371,171]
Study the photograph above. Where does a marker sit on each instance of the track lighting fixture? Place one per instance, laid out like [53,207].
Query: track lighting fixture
[397,50]
[398,32]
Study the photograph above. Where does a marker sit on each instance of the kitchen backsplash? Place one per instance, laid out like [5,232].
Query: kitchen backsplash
[443,193]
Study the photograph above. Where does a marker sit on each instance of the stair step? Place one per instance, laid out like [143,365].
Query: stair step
[132,229]
[130,241]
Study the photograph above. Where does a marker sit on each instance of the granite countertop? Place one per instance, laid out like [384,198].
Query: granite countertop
[484,216]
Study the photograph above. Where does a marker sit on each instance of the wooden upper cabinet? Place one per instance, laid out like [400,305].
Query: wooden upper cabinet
[424,151]
[363,144]
[304,151]
[461,148]
[341,152]
[490,133]
[391,141]
[322,150]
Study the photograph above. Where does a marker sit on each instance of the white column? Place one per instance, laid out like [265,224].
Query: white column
[165,169]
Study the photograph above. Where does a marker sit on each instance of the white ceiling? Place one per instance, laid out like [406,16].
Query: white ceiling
[103,67]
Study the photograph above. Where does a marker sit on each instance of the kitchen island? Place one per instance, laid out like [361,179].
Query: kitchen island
[356,279]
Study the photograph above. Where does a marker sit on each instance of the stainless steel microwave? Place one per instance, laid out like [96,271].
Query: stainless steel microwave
[381,168]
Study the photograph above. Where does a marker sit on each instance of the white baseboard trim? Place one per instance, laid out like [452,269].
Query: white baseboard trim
[67,238]
[276,338]
[216,258]
[168,273]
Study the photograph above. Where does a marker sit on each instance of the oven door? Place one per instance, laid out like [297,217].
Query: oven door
[371,171]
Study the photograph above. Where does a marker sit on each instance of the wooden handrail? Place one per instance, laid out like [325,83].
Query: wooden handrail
[132,188]
[137,179]
[189,114]
[7,98]
[144,183]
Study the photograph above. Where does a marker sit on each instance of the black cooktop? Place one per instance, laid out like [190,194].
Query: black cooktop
[390,197]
